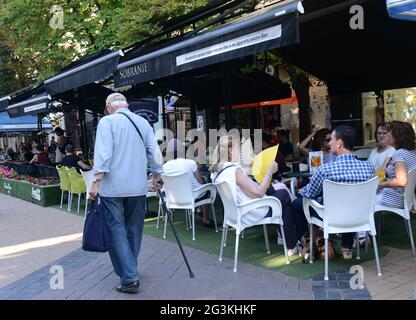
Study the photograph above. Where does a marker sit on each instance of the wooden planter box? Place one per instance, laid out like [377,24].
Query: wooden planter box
[42,195]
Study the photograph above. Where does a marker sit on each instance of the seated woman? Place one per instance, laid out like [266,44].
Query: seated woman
[401,136]
[27,154]
[321,138]
[41,157]
[225,163]
[384,151]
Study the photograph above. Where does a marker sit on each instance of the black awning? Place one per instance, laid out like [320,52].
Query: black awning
[85,73]
[267,29]
[35,104]
[381,56]
[205,86]
[91,96]
[4,102]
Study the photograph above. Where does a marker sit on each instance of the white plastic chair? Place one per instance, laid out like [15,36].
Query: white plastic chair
[362,153]
[409,202]
[234,212]
[348,208]
[88,177]
[179,195]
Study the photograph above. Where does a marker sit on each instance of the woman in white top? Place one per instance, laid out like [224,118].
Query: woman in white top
[380,155]
[227,155]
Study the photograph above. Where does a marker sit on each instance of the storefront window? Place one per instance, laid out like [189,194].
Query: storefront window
[399,104]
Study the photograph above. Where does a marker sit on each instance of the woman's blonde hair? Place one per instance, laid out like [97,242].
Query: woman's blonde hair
[222,152]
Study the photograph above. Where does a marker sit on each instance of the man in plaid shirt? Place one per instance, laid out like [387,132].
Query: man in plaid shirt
[346,169]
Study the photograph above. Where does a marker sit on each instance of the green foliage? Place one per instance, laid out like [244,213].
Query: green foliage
[30,50]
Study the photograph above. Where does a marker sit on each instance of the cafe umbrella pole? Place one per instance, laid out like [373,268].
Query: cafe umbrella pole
[168,215]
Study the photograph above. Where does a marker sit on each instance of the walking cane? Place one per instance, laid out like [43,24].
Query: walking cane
[168,214]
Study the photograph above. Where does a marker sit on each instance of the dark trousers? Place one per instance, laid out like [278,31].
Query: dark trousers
[301,224]
[288,226]
[125,218]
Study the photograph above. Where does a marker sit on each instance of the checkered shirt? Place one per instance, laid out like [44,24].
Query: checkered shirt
[346,169]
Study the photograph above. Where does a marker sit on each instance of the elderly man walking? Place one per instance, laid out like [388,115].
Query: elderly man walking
[121,158]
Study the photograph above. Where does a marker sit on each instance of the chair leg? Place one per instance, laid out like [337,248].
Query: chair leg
[237,239]
[409,226]
[226,234]
[70,201]
[311,243]
[358,245]
[166,224]
[158,217]
[79,202]
[193,224]
[266,239]
[326,278]
[377,257]
[62,198]
[284,244]
[215,217]
[187,219]
[242,234]
[223,241]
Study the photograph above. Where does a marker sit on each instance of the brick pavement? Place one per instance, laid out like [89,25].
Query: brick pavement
[24,270]
[399,276]
[32,236]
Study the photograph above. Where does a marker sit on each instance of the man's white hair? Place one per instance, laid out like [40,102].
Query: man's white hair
[120,104]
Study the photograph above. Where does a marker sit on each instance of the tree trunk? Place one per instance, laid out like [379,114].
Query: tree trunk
[301,84]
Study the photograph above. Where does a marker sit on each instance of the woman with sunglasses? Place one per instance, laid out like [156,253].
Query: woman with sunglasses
[320,142]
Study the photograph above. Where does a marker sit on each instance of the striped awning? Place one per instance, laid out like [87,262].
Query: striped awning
[402,9]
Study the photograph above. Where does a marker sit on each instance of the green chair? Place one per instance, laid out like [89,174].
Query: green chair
[77,185]
[65,183]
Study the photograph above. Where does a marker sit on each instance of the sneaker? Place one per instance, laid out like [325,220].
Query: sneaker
[346,254]
[294,251]
[132,287]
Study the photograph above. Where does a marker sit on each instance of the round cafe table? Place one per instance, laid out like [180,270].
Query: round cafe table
[299,174]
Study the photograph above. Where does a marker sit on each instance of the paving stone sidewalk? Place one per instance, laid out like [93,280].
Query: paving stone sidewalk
[163,272]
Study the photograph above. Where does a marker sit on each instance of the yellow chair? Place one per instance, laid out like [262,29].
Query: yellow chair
[65,183]
[77,186]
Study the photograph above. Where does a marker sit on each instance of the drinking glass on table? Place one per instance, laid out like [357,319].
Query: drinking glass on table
[381,174]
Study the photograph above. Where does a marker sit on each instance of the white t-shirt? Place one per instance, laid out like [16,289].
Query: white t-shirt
[377,158]
[182,165]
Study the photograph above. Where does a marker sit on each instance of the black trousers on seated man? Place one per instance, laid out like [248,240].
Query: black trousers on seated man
[301,223]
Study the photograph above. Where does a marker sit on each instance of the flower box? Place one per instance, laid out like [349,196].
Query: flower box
[42,195]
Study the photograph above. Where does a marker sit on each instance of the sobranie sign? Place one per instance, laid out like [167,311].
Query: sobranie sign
[269,30]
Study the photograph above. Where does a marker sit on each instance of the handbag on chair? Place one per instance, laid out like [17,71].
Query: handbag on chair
[96,237]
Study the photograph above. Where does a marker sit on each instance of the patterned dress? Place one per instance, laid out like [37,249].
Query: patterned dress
[394,197]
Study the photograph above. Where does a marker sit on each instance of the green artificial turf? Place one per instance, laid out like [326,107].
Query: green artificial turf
[252,247]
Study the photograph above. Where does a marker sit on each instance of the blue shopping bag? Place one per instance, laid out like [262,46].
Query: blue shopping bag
[96,237]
